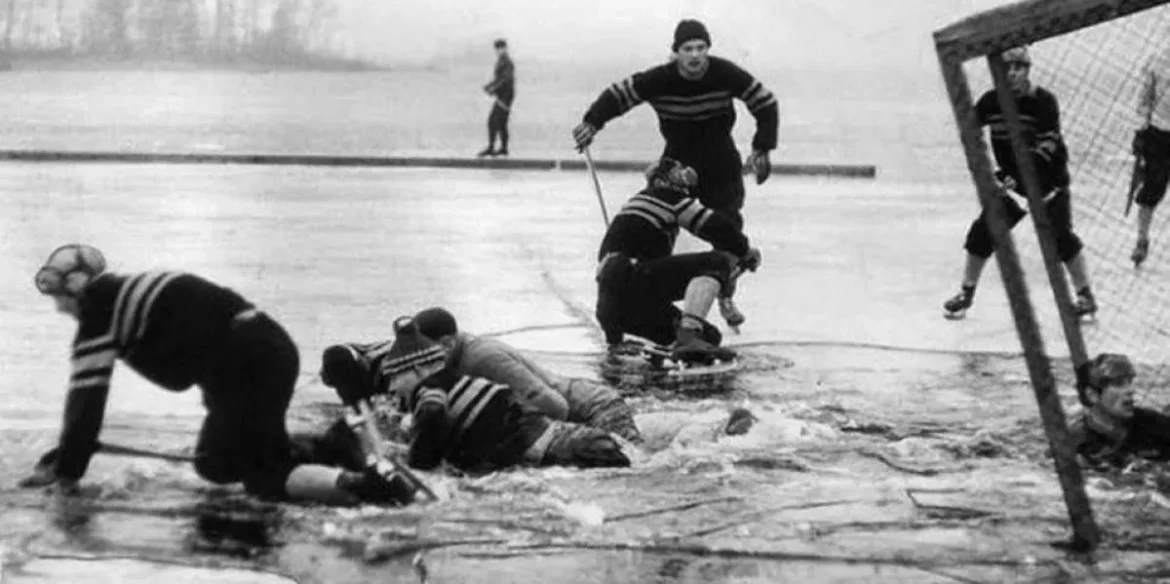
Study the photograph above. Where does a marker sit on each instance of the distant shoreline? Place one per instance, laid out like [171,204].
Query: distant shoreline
[240,63]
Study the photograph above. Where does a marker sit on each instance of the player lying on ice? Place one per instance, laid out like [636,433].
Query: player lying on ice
[573,399]
[639,280]
[1112,431]
[177,330]
[469,422]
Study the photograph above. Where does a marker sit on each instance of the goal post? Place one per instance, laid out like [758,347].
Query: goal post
[986,35]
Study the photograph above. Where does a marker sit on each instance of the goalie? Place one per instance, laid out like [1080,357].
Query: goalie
[639,280]
[470,422]
[1040,114]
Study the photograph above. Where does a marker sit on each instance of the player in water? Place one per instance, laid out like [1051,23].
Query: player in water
[177,329]
[1112,431]
[1151,143]
[574,399]
[1040,114]
[472,423]
[639,279]
[692,96]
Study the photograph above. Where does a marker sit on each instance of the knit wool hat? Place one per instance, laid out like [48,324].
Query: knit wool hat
[436,323]
[689,30]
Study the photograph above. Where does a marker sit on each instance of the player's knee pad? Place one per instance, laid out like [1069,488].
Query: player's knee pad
[217,469]
[1068,245]
[979,242]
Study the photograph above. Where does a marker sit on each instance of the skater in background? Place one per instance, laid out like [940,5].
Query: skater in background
[1111,430]
[573,399]
[503,89]
[638,278]
[469,422]
[177,329]
[1151,144]
[692,96]
[1040,114]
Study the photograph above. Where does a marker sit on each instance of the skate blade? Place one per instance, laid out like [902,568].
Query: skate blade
[960,315]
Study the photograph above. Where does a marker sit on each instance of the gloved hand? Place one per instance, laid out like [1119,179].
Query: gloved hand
[1005,180]
[751,260]
[759,164]
[583,135]
[43,476]
[1046,149]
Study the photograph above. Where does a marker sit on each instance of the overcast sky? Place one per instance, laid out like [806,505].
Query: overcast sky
[780,33]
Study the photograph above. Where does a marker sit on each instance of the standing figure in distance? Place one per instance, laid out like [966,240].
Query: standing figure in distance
[177,329]
[1040,114]
[1151,143]
[503,88]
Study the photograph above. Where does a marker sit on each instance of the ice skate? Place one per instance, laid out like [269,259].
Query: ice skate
[1140,251]
[1085,306]
[692,349]
[489,151]
[956,307]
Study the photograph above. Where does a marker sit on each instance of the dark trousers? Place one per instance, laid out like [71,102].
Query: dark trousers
[638,298]
[720,185]
[498,124]
[244,438]
[1156,154]
[1059,208]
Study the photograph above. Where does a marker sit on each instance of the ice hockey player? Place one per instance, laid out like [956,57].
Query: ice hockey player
[469,422]
[177,329]
[1040,114]
[1151,143]
[574,399]
[692,96]
[1111,431]
[639,279]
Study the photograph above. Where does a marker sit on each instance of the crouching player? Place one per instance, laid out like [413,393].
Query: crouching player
[470,422]
[1040,116]
[639,279]
[1112,431]
[577,400]
[177,329]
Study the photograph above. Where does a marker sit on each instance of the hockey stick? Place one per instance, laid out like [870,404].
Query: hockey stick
[379,445]
[1136,180]
[120,450]
[596,184]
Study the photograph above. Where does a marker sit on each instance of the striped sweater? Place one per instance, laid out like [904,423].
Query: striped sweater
[474,424]
[167,326]
[1040,116]
[695,116]
[647,225]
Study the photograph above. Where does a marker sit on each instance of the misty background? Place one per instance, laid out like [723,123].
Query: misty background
[773,36]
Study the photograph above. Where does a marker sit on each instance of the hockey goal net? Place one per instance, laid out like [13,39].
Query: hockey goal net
[1092,55]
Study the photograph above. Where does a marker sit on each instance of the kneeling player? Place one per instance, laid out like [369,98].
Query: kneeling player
[578,400]
[472,423]
[639,280]
[1111,431]
[177,330]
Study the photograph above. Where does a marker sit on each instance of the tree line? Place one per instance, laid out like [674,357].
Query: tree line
[271,31]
